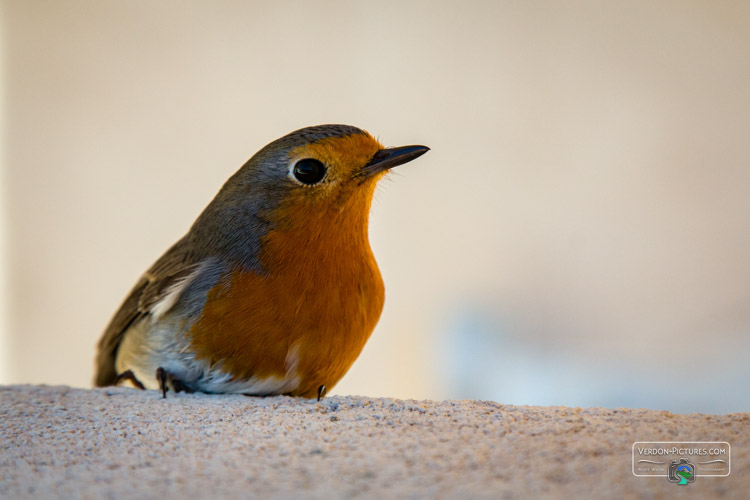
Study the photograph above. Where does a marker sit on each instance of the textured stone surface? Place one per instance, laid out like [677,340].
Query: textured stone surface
[59,442]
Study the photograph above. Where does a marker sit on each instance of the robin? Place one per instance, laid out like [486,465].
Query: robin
[274,289]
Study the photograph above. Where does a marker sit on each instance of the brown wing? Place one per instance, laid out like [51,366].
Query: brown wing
[174,265]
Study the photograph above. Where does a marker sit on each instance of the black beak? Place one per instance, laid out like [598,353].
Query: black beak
[391,157]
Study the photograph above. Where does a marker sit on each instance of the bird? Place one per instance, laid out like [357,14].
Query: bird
[274,289]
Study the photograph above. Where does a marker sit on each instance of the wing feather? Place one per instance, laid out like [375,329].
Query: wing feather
[174,266]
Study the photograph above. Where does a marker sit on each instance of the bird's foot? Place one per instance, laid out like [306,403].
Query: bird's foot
[322,392]
[128,375]
[166,379]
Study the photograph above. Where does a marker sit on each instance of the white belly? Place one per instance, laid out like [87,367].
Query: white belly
[159,343]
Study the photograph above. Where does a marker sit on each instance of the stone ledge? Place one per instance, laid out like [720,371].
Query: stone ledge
[60,442]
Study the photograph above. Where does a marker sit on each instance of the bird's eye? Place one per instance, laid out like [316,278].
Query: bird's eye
[309,171]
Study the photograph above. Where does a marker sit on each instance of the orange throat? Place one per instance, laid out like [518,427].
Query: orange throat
[309,315]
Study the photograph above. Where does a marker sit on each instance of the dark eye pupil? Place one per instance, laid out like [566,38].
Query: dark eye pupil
[309,171]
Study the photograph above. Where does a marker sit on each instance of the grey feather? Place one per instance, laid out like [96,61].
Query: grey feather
[174,265]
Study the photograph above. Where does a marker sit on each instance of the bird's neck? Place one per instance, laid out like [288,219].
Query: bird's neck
[329,240]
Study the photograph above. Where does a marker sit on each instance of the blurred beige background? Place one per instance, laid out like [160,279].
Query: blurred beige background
[578,234]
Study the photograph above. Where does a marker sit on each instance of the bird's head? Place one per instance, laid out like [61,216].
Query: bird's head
[311,181]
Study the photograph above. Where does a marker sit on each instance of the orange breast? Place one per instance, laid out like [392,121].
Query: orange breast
[318,303]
